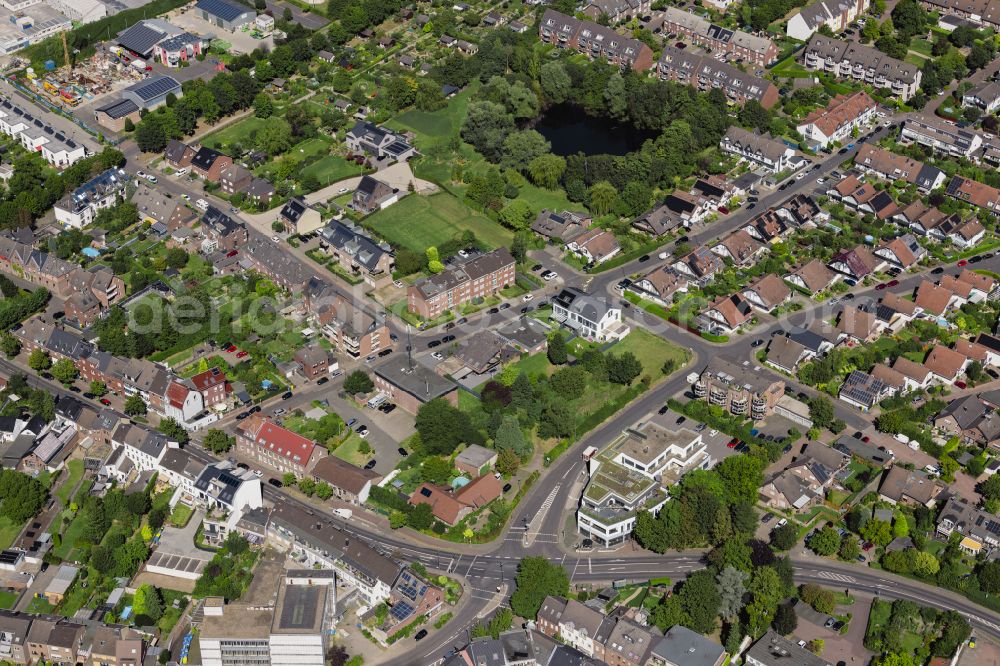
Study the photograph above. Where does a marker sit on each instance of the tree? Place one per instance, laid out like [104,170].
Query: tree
[510,437]
[623,368]
[849,548]
[537,578]
[174,430]
[878,532]
[65,372]
[731,583]
[821,411]
[570,382]
[546,170]
[822,600]
[816,646]
[420,517]
[358,382]
[443,427]
[176,257]
[434,264]
[602,197]
[508,461]
[10,345]
[486,126]
[785,537]
[217,441]
[785,620]
[516,215]
[825,542]
[755,116]
[39,360]
[988,575]
[262,106]
[146,602]
[555,82]
[742,477]
[700,600]
[98,388]
[522,147]
[134,406]
[275,137]
[556,350]
[435,469]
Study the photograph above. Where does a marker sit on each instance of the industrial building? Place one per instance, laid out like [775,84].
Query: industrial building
[227,15]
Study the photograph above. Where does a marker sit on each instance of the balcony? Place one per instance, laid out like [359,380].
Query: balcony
[718,397]
[738,406]
[700,390]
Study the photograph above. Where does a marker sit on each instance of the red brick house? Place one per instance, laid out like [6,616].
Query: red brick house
[271,445]
[212,385]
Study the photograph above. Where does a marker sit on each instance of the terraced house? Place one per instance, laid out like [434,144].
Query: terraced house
[479,277]
[941,136]
[835,14]
[705,73]
[760,149]
[266,442]
[736,44]
[850,60]
[595,41]
[835,123]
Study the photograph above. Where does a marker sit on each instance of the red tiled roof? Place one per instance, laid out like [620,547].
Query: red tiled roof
[208,379]
[176,394]
[284,442]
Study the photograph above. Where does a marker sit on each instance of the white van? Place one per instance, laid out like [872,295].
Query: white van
[202,204]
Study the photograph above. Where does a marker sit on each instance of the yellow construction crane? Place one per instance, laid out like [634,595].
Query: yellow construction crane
[66,51]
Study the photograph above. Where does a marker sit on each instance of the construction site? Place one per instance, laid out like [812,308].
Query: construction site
[69,85]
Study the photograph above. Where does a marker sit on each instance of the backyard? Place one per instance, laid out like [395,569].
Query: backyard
[417,222]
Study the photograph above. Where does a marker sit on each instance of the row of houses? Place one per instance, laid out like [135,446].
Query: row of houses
[594,40]
[40,638]
[733,44]
[216,167]
[864,64]
[193,402]
[836,122]
[19,121]
[835,14]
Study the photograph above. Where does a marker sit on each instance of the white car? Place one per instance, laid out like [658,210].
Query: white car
[528,297]
[398,284]
[140,174]
[258,473]
[180,172]
[438,355]
[781,523]
[820,180]
[275,239]
[342,190]
[463,254]
[800,176]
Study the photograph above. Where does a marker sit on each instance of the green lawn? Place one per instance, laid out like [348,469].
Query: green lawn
[417,222]
[75,474]
[314,147]
[70,536]
[921,46]
[40,606]
[652,351]
[435,125]
[236,133]
[8,532]
[330,169]
[349,450]
[181,515]
[7,599]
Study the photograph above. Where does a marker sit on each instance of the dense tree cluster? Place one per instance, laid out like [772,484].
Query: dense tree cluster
[21,496]
[229,572]
[537,578]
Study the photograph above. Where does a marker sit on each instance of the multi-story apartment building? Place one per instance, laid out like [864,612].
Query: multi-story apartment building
[55,148]
[357,253]
[616,10]
[850,60]
[743,390]
[977,11]
[591,318]
[890,166]
[595,41]
[631,475]
[143,446]
[736,44]
[835,14]
[213,387]
[765,150]
[481,276]
[841,116]
[269,444]
[942,136]
[273,262]
[222,233]
[705,73]
[352,331]
[79,208]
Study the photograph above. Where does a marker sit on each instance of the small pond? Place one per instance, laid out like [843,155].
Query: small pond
[571,131]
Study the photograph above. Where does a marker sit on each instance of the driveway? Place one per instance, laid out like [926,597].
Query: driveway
[847,648]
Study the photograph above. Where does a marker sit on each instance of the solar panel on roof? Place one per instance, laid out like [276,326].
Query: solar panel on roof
[60,136]
[227,11]
[152,88]
[71,143]
[39,123]
[401,610]
[48,130]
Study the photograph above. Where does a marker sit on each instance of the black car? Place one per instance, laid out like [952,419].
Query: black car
[450,325]
[384,353]
[756,343]
[448,338]
[286,395]
[663,410]
[505,306]
[493,311]
[420,635]
[243,465]
[788,447]
[993,374]
[463,320]
[242,415]
[433,343]
[536,267]
[767,518]
[401,451]
[751,206]
[74,389]
[680,420]
[644,258]
[370,464]
[506,487]
[842,151]
[322,380]
[976,259]
[683,239]
[938,270]
[276,483]
[848,297]
[387,408]
[255,409]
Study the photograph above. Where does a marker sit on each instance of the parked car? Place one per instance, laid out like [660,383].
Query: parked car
[756,343]
[420,635]
[105,402]
[433,343]
[403,452]
[371,464]
[286,395]
[279,411]
[506,487]
[363,432]
[276,483]
[322,380]
[242,354]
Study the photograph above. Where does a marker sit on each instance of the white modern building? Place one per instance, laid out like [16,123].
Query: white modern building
[79,208]
[764,150]
[835,14]
[942,136]
[591,318]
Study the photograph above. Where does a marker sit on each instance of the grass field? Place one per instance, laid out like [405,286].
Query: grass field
[40,605]
[8,532]
[349,450]
[70,536]
[236,133]
[921,46]
[181,515]
[435,125]
[66,489]
[330,169]
[7,599]
[417,222]
[652,351]
[314,147]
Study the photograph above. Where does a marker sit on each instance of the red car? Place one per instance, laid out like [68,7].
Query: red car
[893,283]
[961,385]
[231,348]
[723,210]
[242,354]
[731,444]
[866,439]
[880,287]
[105,402]
[961,263]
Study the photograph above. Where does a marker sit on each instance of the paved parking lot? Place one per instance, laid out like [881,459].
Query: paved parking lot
[847,648]
[305,19]
[242,42]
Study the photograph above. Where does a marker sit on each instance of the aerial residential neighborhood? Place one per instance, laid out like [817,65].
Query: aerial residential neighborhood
[521,333]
